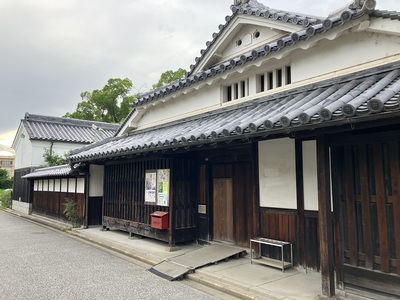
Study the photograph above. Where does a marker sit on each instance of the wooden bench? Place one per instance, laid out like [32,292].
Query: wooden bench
[280,264]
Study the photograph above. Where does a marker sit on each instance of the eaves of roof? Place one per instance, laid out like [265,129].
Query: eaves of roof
[385,14]
[47,128]
[56,171]
[367,95]
[312,27]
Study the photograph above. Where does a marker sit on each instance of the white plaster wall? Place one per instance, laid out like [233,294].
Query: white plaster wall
[64,185]
[45,185]
[71,185]
[96,181]
[191,102]
[57,185]
[23,149]
[277,173]
[310,175]
[347,51]
[80,185]
[58,149]
[40,185]
[30,153]
[248,39]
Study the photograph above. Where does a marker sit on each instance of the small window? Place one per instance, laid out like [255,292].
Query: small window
[236,90]
[288,73]
[270,78]
[261,83]
[278,77]
[239,42]
[228,93]
[236,95]
[243,88]
[256,34]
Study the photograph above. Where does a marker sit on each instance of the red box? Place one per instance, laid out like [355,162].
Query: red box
[159,220]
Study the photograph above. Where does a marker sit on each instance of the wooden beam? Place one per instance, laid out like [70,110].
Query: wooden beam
[324,218]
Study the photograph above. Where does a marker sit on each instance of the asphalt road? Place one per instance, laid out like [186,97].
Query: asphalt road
[40,263]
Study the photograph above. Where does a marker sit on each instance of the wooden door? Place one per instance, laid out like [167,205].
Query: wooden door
[223,210]
[368,195]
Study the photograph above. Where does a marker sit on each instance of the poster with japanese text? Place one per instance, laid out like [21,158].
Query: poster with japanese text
[163,187]
[150,188]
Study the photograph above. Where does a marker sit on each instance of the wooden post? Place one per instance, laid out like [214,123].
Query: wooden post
[324,218]
[300,231]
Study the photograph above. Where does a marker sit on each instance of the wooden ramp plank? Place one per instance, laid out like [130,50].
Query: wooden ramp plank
[170,270]
[178,267]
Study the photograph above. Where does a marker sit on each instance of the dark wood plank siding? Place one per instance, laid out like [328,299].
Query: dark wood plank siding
[124,194]
[367,178]
[22,190]
[242,174]
[281,224]
[52,203]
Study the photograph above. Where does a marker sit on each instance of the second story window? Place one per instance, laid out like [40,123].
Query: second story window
[274,79]
[236,90]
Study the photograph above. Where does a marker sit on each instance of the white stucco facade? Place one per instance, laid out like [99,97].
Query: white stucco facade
[277,173]
[355,48]
[310,175]
[96,181]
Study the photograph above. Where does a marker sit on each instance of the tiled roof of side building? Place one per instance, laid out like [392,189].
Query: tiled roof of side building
[311,26]
[55,171]
[67,129]
[357,97]
[60,171]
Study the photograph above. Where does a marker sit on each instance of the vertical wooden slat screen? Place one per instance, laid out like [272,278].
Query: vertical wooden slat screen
[381,206]
[369,188]
[366,211]
[395,175]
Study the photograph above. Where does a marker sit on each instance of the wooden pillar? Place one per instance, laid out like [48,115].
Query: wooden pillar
[86,193]
[300,231]
[324,218]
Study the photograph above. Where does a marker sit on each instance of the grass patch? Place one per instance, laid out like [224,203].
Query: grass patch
[5,198]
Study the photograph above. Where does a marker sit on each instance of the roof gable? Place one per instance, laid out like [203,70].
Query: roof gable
[251,25]
[313,27]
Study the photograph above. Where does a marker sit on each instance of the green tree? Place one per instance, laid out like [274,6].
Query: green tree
[53,159]
[111,104]
[6,182]
[169,76]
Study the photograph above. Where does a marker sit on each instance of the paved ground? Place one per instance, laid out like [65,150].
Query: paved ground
[40,263]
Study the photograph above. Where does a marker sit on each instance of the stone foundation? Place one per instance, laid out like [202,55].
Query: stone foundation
[22,207]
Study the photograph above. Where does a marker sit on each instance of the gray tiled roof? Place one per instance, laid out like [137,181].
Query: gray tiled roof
[56,171]
[364,95]
[66,130]
[311,26]
[385,14]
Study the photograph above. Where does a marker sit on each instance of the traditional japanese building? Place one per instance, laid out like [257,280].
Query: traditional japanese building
[286,127]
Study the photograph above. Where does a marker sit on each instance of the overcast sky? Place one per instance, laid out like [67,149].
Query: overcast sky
[52,50]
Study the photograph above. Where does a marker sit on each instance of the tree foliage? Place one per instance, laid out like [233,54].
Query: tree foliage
[53,159]
[111,104]
[6,182]
[169,76]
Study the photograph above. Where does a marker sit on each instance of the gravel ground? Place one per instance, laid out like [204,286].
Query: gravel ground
[40,263]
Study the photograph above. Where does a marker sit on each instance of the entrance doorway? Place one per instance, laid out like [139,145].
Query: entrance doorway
[223,210]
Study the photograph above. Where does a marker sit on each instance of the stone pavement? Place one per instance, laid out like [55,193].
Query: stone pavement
[237,277]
